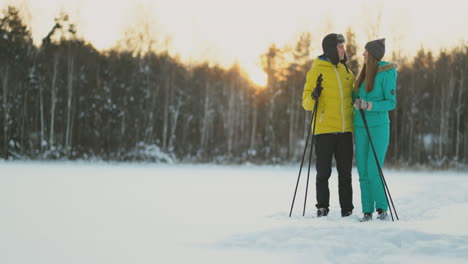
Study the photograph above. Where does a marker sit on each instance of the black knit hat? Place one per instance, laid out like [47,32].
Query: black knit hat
[329,47]
[376,48]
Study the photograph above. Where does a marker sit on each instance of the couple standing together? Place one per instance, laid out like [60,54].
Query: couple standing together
[373,91]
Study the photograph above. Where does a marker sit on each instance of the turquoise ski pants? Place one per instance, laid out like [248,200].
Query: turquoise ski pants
[372,191]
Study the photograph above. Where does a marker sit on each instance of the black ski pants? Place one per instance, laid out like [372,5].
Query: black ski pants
[339,145]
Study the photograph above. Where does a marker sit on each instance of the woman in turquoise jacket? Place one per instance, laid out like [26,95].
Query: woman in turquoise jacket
[375,93]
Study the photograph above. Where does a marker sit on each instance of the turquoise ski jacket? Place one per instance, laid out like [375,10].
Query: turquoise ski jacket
[383,97]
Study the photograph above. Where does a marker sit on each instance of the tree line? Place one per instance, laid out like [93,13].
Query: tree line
[63,99]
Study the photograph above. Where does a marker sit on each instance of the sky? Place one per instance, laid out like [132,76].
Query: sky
[226,31]
[101,213]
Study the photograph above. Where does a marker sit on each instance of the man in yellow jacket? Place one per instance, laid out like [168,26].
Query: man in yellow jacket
[334,124]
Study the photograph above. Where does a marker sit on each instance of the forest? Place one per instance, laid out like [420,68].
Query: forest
[65,100]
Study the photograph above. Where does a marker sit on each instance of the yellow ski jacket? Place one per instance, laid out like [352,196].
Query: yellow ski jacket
[335,110]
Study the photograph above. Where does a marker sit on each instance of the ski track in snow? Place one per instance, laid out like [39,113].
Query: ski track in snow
[425,211]
[125,213]
[347,241]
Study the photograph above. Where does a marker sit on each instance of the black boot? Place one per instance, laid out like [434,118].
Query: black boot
[322,212]
[345,213]
[367,217]
[382,215]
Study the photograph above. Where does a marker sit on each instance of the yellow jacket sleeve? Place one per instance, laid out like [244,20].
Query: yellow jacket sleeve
[311,81]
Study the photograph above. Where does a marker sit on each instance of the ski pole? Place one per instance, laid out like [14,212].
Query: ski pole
[314,115]
[382,178]
[310,156]
[302,161]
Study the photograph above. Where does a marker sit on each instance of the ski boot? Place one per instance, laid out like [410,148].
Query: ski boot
[366,218]
[322,212]
[382,215]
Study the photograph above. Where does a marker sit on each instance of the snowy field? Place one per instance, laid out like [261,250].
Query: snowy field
[67,213]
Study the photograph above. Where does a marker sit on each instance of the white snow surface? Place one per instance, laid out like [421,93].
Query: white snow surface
[66,213]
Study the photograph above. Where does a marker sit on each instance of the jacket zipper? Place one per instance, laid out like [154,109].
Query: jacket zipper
[341,97]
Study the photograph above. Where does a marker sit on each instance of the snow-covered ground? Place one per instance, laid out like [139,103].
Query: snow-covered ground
[64,213]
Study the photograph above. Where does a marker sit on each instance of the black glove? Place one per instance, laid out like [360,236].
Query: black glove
[318,88]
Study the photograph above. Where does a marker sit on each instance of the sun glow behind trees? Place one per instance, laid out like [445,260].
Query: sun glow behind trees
[256,76]
[223,32]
